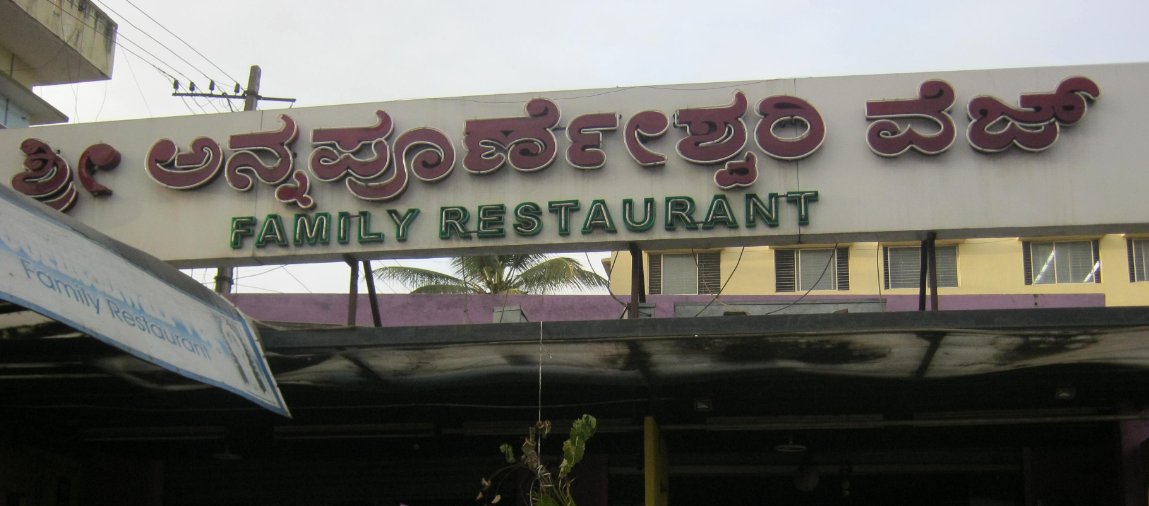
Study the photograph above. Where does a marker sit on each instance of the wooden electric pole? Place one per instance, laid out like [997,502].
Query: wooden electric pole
[225,275]
[251,94]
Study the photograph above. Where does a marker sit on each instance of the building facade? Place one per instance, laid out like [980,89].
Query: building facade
[1112,265]
[44,43]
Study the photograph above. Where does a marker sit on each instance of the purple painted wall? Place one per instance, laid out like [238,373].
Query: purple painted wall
[399,310]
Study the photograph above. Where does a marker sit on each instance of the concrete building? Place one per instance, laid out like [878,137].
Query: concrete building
[973,273]
[1004,403]
[44,43]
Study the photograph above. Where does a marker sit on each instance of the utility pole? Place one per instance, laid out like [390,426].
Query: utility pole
[251,94]
[225,275]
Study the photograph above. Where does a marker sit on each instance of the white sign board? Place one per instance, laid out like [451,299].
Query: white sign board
[1041,151]
[58,272]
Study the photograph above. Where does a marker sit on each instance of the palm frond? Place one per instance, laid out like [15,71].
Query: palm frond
[519,263]
[559,273]
[443,289]
[416,278]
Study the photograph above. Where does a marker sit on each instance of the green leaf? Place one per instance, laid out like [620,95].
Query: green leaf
[575,447]
[504,274]
[544,500]
[508,452]
[557,274]
[419,278]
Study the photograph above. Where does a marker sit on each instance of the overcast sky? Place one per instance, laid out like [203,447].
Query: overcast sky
[336,52]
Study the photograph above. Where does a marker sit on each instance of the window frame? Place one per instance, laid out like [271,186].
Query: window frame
[707,272]
[1032,270]
[1135,245]
[833,262]
[788,276]
[887,279]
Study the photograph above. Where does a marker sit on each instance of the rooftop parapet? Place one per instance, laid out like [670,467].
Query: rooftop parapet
[45,42]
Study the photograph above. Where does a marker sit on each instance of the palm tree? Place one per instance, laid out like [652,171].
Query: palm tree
[506,274]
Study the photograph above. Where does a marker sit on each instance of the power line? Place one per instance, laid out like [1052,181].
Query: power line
[141,48]
[234,80]
[121,36]
[138,87]
[146,34]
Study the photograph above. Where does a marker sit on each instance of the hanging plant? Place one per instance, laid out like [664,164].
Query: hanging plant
[546,487]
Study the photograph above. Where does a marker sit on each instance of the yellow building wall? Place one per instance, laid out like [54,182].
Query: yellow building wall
[985,266]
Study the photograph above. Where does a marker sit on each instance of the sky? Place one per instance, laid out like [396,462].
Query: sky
[339,52]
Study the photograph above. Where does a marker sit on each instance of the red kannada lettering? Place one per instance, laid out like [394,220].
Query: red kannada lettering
[96,158]
[433,158]
[738,173]
[296,192]
[336,156]
[529,142]
[188,170]
[640,128]
[585,134]
[1035,126]
[716,134]
[779,110]
[47,177]
[249,146]
[886,138]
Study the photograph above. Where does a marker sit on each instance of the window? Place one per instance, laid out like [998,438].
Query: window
[903,266]
[1061,262]
[1138,259]
[685,274]
[811,269]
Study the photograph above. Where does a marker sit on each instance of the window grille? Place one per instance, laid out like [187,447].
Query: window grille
[686,274]
[1061,262]
[812,269]
[903,266]
[1138,259]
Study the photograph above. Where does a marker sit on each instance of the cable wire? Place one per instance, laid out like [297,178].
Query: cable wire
[608,273]
[723,287]
[234,80]
[117,41]
[833,256]
[146,34]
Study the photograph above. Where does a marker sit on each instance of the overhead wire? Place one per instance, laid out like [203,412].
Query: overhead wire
[608,276]
[146,34]
[201,55]
[119,36]
[288,271]
[723,287]
[833,256]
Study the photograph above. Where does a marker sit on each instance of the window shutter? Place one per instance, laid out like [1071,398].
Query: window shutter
[1132,263]
[947,266]
[843,260]
[784,270]
[655,274]
[709,272]
[1027,262]
[679,274]
[1097,259]
[886,267]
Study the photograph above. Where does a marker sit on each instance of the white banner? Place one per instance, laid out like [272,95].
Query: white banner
[65,275]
